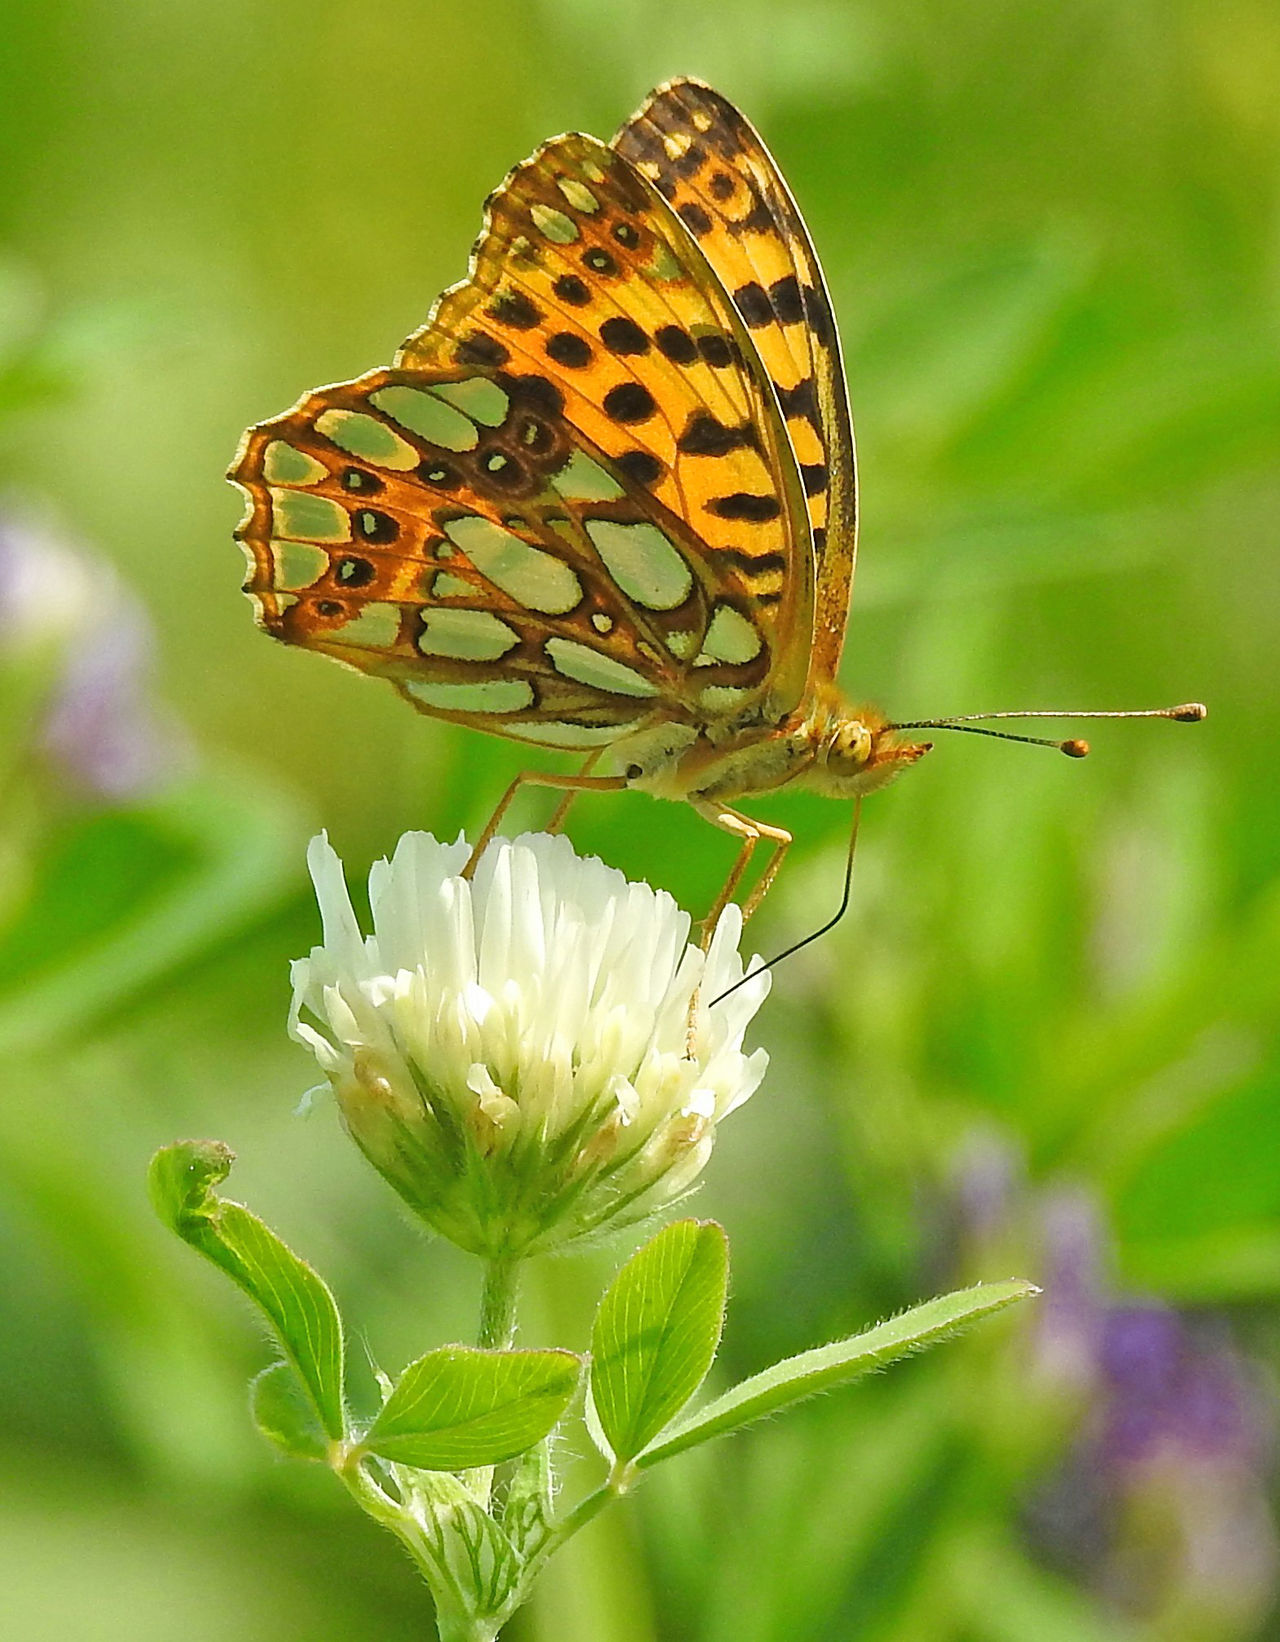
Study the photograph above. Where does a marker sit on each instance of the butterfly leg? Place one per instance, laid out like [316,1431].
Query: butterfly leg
[566,803]
[781,840]
[750,833]
[570,784]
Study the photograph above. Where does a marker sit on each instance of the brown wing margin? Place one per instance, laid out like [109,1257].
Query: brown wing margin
[707,160]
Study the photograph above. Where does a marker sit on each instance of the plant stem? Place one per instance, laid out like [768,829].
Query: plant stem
[497,1331]
[498,1305]
[465,1630]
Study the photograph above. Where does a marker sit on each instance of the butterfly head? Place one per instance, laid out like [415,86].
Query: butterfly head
[859,751]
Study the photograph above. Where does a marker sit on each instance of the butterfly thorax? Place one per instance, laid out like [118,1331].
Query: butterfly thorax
[826,746]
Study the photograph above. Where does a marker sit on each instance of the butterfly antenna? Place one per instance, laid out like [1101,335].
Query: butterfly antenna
[818,933]
[1187,712]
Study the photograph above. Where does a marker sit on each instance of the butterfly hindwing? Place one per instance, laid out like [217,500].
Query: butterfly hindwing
[705,158]
[571,506]
[458,538]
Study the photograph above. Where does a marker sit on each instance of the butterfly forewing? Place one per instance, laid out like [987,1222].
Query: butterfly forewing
[586,280]
[570,505]
[703,157]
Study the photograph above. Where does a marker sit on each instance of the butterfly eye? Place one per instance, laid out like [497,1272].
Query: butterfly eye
[633,772]
[852,745]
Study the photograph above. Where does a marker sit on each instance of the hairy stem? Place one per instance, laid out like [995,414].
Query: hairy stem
[498,1305]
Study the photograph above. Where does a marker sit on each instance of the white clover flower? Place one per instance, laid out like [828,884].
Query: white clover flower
[516,1054]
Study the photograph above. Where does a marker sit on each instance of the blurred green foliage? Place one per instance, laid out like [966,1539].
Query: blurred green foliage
[1050,233]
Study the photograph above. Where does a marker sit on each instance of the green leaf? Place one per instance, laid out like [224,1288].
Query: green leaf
[460,1407]
[297,1304]
[826,1367]
[283,1412]
[656,1332]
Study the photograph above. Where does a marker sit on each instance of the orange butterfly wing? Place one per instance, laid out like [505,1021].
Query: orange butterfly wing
[571,506]
[705,158]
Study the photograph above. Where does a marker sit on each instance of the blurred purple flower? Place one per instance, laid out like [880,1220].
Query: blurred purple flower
[986,1186]
[1162,1503]
[1069,1323]
[65,615]
[1161,1500]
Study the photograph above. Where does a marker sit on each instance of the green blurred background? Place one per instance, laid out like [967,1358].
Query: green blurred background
[1044,1040]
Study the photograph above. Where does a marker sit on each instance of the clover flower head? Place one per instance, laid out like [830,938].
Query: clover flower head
[530,1054]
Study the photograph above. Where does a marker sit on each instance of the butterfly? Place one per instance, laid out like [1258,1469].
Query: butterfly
[605,500]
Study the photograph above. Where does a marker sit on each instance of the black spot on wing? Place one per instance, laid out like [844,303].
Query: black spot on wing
[817,311]
[801,400]
[675,344]
[716,349]
[479,349]
[535,391]
[373,526]
[706,435]
[743,505]
[569,288]
[759,219]
[752,302]
[568,348]
[354,572]
[439,474]
[629,402]
[514,308]
[784,295]
[753,564]
[600,261]
[535,436]
[502,470]
[640,466]
[694,218]
[623,336]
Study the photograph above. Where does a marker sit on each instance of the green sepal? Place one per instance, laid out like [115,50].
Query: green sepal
[296,1303]
[827,1367]
[283,1411]
[656,1333]
[460,1407]
[528,1509]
